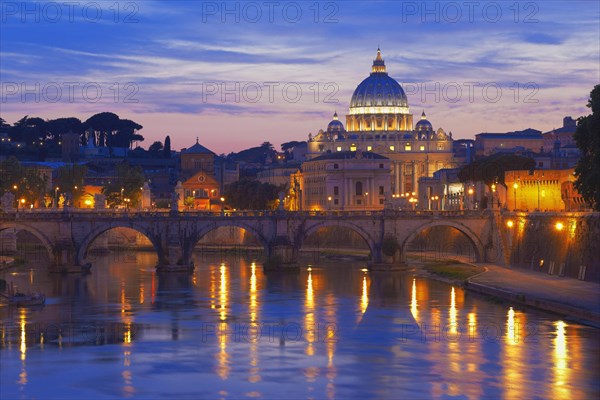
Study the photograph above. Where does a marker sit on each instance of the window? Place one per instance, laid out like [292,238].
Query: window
[336,166]
[336,201]
[380,201]
[321,148]
[359,191]
[541,164]
[339,148]
[422,148]
[369,148]
[359,202]
[381,166]
[353,147]
[392,148]
[407,147]
[336,190]
[381,190]
[440,146]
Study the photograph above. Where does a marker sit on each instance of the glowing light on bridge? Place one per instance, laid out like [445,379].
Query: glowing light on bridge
[559,226]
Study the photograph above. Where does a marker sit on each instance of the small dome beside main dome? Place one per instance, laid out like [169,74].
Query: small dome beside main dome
[424,124]
[335,125]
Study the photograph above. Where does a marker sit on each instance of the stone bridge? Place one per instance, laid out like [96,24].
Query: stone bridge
[67,234]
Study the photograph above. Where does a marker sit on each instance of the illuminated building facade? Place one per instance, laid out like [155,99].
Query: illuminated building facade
[547,190]
[379,121]
[347,180]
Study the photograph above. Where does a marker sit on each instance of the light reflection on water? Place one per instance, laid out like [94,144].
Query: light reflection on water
[230,331]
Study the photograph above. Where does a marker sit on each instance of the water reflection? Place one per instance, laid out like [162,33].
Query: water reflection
[139,326]
[560,356]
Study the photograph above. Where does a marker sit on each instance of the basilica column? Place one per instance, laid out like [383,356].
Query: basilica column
[397,177]
[401,174]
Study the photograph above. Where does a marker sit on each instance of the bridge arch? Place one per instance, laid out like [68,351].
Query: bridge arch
[205,229]
[99,230]
[46,242]
[465,230]
[369,240]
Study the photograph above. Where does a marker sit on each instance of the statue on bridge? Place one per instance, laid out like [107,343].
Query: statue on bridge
[175,201]
[8,201]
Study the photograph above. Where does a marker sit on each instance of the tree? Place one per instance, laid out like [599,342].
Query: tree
[491,169]
[24,182]
[587,138]
[155,148]
[70,179]
[248,194]
[127,184]
[167,148]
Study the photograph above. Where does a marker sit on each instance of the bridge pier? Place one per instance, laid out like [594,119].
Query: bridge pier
[173,260]
[282,255]
[65,259]
[8,242]
[382,262]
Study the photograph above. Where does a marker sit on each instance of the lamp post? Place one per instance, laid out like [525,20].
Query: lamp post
[366,199]
[122,199]
[222,205]
[56,196]
[329,203]
[515,187]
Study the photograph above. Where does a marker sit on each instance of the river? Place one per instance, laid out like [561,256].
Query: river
[332,330]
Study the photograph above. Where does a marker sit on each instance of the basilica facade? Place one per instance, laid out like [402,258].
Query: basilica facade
[379,121]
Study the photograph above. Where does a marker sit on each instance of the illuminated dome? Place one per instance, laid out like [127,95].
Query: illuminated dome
[335,125]
[379,90]
[424,124]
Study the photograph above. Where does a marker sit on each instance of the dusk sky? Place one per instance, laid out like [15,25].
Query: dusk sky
[169,60]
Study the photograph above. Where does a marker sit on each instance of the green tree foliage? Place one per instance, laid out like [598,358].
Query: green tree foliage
[587,138]
[69,179]
[130,180]
[247,194]
[491,169]
[30,184]
[167,148]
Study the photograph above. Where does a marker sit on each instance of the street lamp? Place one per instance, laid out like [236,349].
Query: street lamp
[366,199]
[515,187]
[56,196]
[329,202]
[222,205]
[510,223]
[559,226]
[122,190]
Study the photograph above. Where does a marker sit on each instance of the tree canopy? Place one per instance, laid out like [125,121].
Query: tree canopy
[248,194]
[587,138]
[491,169]
[127,184]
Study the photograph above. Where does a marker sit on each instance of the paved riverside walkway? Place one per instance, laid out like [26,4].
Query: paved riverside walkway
[568,296]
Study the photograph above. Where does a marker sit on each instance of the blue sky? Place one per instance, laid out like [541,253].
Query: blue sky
[163,64]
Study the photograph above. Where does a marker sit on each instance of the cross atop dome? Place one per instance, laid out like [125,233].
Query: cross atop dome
[378,64]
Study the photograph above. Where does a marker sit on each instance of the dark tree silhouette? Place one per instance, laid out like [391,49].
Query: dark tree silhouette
[167,148]
[587,138]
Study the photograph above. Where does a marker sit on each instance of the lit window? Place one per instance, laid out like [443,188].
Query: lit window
[392,148]
[353,147]
[369,148]
[339,148]
[422,148]
[407,147]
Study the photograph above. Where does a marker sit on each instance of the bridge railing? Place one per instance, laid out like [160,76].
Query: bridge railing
[54,213]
